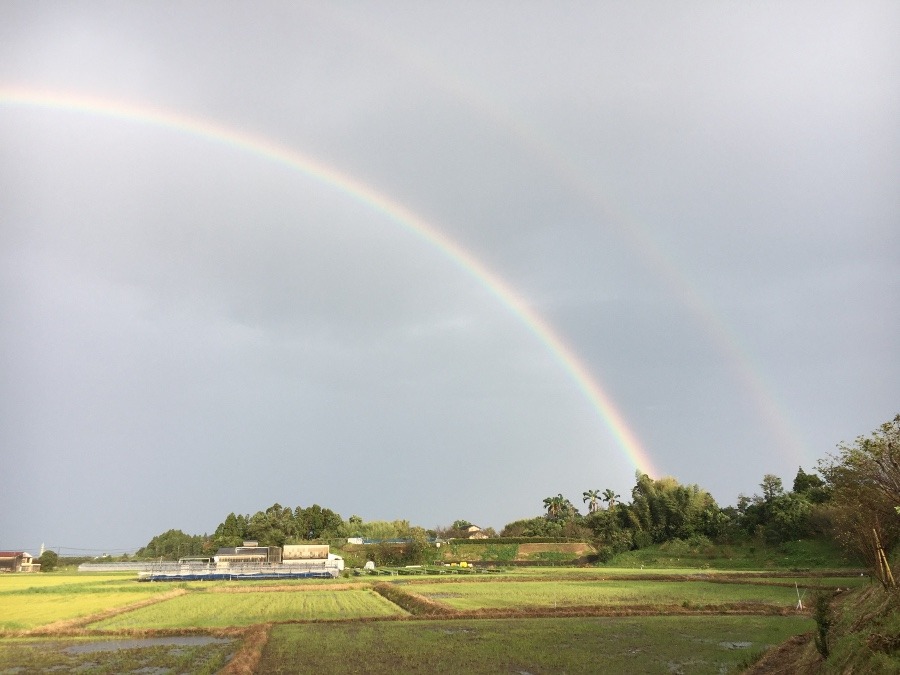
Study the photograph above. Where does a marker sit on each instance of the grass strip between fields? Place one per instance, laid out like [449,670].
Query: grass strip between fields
[248,656]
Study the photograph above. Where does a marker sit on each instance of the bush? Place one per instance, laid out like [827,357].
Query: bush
[642,539]
[48,560]
[500,553]
[822,617]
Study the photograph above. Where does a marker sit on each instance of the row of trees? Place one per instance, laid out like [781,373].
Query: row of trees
[279,525]
[863,479]
[663,509]
[854,495]
[854,498]
[276,526]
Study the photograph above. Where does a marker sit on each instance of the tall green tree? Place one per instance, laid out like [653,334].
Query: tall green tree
[559,508]
[610,497]
[811,487]
[592,499]
[48,560]
[231,532]
[665,509]
[864,479]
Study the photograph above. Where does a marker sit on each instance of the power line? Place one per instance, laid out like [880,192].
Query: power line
[59,549]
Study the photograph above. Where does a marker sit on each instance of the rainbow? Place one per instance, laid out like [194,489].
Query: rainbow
[483,100]
[265,148]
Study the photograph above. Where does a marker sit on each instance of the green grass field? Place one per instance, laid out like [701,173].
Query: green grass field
[655,644]
[216,610]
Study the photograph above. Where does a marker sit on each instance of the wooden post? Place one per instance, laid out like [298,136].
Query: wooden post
[884,569]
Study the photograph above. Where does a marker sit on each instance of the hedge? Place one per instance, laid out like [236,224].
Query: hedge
[520,540]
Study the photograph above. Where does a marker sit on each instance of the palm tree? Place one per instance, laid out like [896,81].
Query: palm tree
[592,498]
[555,506]
[610,497]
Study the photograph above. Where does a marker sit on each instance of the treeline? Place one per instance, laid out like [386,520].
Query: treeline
[854,499]
[664,510]
[854,496]
[276,526]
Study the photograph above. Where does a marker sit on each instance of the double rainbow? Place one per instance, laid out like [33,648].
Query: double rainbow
[377,201]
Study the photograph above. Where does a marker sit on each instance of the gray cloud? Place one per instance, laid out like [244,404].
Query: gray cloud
[699,198]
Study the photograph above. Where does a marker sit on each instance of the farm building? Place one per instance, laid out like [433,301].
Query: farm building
[251,561]
[250,552]
[18,561]
[297,552]
[311,555]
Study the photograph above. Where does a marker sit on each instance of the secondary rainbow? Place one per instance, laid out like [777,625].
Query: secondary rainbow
[264,147]
[484,101]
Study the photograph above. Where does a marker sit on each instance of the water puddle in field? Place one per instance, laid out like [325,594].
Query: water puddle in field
[736,645]
[115,645]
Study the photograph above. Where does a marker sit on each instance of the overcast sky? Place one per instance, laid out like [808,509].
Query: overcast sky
[700,199]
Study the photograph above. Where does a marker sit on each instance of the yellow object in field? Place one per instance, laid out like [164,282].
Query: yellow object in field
[463,564]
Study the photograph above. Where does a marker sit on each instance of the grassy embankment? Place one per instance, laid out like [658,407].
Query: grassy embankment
[807,554]
[863,637]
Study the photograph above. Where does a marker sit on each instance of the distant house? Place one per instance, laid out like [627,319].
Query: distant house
[18,561]
[475,532]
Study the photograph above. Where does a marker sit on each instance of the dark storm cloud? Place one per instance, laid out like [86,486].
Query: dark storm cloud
[701,199]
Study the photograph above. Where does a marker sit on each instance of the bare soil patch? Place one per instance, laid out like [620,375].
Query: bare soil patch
[577,549]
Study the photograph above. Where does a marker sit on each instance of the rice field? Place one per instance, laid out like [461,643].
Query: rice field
[32,600]
[567,593]
[19,582]
[219,610]
[655,644]
[198,656]
[332,623]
